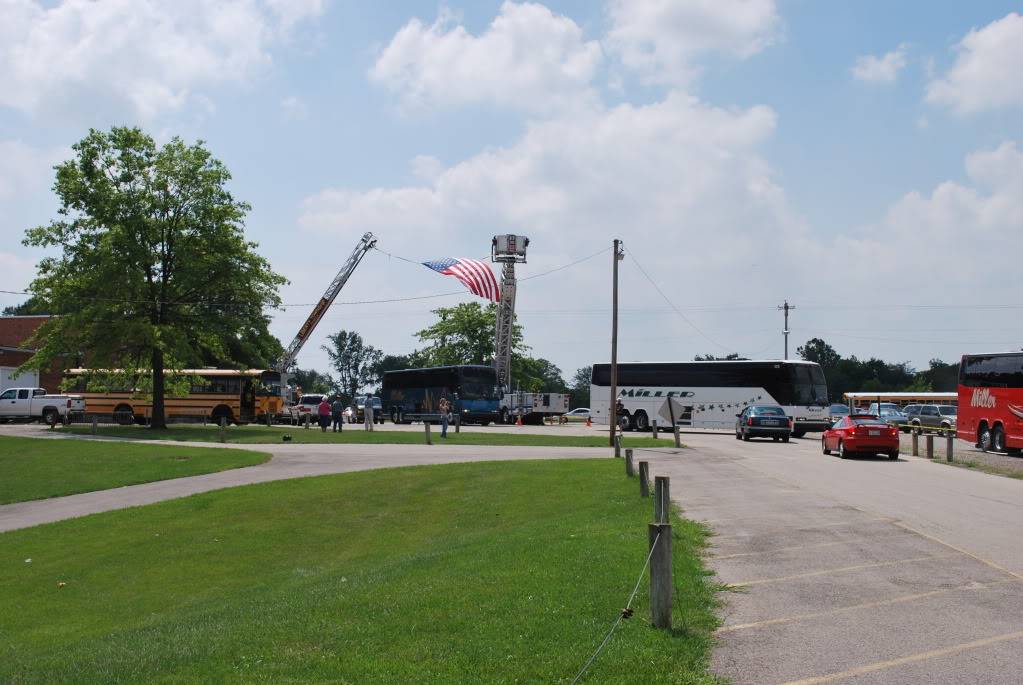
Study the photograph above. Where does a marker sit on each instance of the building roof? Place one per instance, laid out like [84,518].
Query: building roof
[15,330]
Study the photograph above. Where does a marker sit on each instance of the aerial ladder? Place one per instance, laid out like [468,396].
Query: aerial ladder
[366,244]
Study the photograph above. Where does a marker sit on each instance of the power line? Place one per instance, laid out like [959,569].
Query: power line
[672,305]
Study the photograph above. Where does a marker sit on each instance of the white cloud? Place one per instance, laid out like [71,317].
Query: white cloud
[884,69]
[528,58]
[985,75]
[294,108]
[151,55]
[661,39]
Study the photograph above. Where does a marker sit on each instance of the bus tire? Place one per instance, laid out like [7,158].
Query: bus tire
[984,438]
[124,415]
[640,421]
[221,411]
[997,439]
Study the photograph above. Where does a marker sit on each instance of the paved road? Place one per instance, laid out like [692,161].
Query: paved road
[861,571]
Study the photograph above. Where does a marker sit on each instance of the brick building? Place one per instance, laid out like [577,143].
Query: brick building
[14,332]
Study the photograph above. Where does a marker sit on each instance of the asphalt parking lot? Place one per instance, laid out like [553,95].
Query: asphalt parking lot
[862,570]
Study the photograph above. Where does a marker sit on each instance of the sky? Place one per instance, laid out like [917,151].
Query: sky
[862,161]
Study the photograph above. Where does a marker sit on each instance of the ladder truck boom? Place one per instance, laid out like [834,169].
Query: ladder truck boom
[366,244]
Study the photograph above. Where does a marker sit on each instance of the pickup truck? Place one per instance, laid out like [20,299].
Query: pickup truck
[34,403]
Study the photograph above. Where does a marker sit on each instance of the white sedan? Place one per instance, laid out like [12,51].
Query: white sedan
[578,413]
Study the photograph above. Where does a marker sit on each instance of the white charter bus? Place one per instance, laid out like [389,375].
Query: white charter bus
[710,394]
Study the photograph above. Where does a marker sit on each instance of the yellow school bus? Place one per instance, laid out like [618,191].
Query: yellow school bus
[240,396]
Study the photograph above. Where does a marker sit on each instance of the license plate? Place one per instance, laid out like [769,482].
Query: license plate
[873,433]
[769,422]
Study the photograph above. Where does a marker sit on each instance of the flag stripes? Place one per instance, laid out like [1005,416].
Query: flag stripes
[476,275]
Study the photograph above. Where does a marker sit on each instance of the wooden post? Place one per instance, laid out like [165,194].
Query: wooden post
[94,422]
[426,427]
[916,443]
[678,437]
[662,499]
[223,427]
[653,429]
[204,419]
[458,423]
[628,463]
[618,446]
[930,446]
[949,445]
[644,479]
[269,422]
[659,535]
[308,418]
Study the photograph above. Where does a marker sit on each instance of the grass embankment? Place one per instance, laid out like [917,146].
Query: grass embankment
[466,573]
[33,468]
[355,435]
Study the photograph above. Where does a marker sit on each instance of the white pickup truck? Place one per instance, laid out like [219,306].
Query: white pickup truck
[34,403]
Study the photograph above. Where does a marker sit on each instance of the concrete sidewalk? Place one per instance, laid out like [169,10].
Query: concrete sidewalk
[289,461]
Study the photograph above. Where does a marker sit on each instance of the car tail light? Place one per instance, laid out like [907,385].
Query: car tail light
[749,421]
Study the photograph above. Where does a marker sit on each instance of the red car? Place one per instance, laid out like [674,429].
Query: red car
[864,433]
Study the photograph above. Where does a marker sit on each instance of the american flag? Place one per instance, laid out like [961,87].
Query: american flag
[475,274]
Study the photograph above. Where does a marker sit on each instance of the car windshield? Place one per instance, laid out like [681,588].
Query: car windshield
[948,411]
[767,411]
[868,421]
[310,399]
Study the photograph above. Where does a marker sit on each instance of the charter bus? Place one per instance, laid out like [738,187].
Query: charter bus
[710,394]
[414,394]
[991,401]
[240,396]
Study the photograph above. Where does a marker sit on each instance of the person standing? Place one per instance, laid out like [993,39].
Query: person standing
[367,412]
[324,412]
[336,413]
[445,412]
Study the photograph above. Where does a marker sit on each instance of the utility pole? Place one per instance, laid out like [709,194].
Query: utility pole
[786,307]
[616,256]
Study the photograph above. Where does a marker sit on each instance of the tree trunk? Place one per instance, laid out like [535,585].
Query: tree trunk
[158,419]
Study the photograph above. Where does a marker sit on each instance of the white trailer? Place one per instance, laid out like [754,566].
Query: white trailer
[532,407]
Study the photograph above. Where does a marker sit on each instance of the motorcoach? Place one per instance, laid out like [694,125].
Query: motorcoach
[991,401]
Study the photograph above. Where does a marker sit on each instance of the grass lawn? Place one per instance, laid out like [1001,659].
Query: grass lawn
[488,572]
[33,468]
[255,435]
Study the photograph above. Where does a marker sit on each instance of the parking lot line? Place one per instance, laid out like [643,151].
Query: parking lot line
[856,607]
[842,569]
[982,560]
[794,548]
[910,659]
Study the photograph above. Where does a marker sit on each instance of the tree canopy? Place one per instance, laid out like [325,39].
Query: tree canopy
[354,361]
[154,270]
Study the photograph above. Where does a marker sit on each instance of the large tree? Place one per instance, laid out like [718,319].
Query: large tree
[354,360]
[154,259]
[464,334]
[580,387]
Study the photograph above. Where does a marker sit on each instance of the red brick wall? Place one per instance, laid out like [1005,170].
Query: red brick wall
[15,330]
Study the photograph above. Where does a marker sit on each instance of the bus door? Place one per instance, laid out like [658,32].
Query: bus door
[248,401]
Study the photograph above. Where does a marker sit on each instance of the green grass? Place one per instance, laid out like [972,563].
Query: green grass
[499,572]
[993,469]
[33,468]
[257,435]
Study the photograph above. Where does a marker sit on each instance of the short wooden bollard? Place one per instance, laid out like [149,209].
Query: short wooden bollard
[662,499]
[268,420]
[426,427]
[629,471]
[660,574]
[223,428]
[930,447]
[949,446]
[653,429]
[678,437]
[458,423]
[618,446]
[644,479]
[916,444]
[203,420]
[308,418]
[95,421]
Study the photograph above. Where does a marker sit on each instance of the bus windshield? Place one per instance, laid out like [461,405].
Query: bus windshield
[479,384]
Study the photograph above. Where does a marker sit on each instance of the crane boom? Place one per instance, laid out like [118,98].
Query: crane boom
[505,325]
[365,245]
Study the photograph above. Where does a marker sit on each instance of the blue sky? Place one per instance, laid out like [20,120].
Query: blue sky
[861,160]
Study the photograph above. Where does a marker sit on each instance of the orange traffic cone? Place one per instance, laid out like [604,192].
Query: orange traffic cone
[589,423]
[518,421]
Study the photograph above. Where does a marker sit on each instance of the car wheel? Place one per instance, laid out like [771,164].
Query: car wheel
[824,447]
[998,439]
[984,439]
[785,438]
[50,416]
[745,436]
[842,454]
